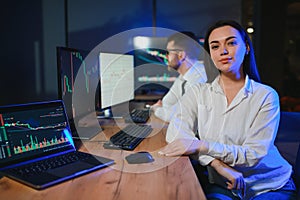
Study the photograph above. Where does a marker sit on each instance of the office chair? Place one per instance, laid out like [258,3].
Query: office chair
[297,172]
[289,133]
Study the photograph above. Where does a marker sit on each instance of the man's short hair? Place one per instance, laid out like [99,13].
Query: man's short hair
[186,41]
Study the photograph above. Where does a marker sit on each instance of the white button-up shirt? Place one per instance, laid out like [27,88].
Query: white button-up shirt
[241,134]
[196,74]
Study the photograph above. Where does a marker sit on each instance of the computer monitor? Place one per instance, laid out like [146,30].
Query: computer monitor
[71,64]
[151,71]
[116,82]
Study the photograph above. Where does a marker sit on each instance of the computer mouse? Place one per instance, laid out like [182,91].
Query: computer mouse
[139,157]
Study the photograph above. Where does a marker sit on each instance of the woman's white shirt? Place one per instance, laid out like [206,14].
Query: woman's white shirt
[241,135]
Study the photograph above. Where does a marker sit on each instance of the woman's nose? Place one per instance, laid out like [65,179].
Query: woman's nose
[224,52]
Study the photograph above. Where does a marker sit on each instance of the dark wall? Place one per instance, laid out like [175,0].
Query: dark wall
[92,21]
[270,39]
[21,49]
[277,33]
[32,29]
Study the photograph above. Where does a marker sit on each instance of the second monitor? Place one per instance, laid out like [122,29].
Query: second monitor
[116,82]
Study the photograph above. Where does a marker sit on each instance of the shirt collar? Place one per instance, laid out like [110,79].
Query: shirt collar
[248,87]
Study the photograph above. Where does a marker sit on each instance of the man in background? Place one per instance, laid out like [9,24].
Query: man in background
[183,51]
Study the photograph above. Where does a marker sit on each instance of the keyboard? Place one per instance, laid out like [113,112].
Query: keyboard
[51,163]
[129,137]
[138,116]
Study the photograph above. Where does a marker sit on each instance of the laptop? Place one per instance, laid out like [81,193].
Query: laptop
[37,148]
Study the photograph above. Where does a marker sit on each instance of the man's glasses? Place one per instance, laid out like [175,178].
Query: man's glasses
[172,50]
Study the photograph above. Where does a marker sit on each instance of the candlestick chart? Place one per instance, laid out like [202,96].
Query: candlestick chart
[22,132]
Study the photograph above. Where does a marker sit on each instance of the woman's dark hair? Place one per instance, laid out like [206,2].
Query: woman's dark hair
[249,64]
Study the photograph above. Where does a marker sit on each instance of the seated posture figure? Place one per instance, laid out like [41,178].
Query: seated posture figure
[237,119]
[183,56]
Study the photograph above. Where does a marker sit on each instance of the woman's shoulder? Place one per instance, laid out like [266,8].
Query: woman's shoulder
[263,88]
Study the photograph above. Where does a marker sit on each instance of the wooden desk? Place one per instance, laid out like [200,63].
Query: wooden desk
[166,178]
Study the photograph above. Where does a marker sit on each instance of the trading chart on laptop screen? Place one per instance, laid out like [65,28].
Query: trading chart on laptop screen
[26,132]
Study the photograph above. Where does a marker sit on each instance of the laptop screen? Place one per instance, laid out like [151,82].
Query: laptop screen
[29,131]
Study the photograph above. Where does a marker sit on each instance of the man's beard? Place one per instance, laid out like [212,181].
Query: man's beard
[174,67]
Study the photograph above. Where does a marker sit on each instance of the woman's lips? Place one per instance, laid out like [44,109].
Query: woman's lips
[225,60]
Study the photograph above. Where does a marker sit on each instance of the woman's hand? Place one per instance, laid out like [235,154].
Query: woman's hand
[183,147]
[235,179]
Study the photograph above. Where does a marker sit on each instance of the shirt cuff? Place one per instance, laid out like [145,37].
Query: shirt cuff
[205,159]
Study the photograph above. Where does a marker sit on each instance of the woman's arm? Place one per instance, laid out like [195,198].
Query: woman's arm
[235,179]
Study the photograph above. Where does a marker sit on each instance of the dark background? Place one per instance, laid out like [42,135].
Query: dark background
[31,30]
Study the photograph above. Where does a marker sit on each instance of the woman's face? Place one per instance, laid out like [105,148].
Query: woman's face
[227,49]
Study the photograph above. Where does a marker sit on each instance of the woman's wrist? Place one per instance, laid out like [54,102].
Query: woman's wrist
[215,163]
[203,147]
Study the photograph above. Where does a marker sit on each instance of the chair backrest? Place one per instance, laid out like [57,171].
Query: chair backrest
[289,127]
[297,170]
[287,141]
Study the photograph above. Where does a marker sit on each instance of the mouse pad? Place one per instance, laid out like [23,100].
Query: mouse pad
[139,157]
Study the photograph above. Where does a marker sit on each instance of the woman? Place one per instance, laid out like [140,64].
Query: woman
[237,119]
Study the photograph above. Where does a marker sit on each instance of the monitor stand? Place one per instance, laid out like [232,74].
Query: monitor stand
[107,114]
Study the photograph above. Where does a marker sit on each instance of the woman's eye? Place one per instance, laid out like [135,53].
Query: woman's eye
[214,47]
[231,43]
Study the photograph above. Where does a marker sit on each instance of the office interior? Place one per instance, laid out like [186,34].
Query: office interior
[31,31]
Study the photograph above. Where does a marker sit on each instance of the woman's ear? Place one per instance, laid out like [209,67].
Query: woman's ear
[247,49]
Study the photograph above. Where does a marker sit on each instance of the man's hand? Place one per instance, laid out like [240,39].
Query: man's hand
[156,105]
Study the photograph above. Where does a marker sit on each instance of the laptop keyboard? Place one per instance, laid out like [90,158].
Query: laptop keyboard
[50,163]
[138,116]
[129,137]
